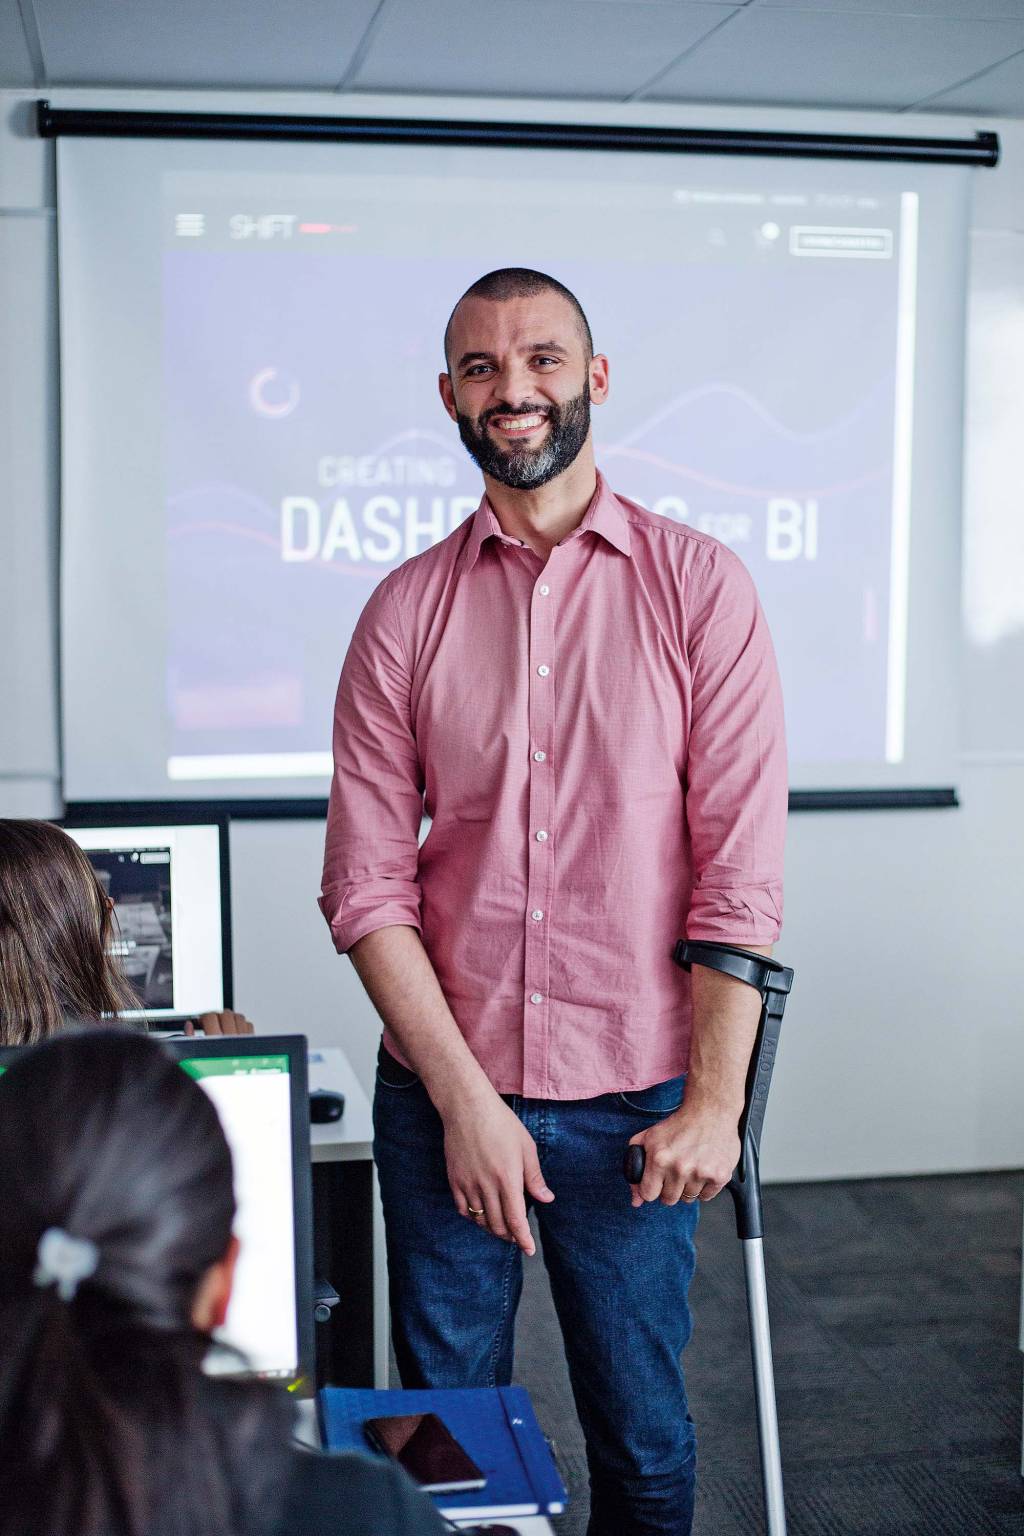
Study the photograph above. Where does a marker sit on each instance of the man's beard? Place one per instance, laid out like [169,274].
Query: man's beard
[525,469]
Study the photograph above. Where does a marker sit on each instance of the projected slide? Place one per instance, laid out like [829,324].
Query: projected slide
[251,337]
[755,379]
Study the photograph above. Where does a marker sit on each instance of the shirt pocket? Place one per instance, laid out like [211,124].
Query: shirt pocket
[392,1074]
[657,1101]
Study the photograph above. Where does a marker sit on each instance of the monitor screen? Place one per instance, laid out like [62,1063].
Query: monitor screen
[252,1093]
[169,888]
[259,1089]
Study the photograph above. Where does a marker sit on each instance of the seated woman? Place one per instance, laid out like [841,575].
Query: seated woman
[57,929]
[116,1264]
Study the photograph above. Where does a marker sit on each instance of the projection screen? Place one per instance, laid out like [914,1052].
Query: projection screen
[252,434]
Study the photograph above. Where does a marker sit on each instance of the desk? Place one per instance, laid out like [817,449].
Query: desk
[348,1232]
[349,1247]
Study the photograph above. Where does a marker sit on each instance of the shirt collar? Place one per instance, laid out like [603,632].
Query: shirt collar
[604,516]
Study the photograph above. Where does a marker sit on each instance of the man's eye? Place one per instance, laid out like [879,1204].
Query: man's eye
[552,360]
[477,368]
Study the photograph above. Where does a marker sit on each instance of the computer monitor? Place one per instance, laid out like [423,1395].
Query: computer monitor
[170,886]
[259,1088]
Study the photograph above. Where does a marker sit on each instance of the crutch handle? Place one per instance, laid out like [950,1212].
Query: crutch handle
[634,1163]
[773,981]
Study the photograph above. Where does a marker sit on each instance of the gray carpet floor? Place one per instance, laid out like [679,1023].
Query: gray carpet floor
[895,1314]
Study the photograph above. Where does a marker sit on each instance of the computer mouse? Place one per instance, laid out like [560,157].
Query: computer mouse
[325,1106]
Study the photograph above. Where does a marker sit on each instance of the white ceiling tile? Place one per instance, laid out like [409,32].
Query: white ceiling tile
[835,59]
[200,42]
[999,92]
[963,10]
[15,59]
[596,48]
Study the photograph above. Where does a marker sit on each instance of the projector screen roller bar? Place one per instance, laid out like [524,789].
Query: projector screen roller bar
[91,122]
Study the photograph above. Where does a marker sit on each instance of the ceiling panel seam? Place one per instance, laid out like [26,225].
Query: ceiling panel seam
[808,6]
[979,74]
[362,48]
[33,43]
[659,74]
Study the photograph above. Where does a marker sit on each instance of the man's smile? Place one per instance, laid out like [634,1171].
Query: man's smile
[526,445]
[518,426]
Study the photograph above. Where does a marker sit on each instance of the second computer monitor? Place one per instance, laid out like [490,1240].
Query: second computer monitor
[260,1091]
[169,886]
[259,1088]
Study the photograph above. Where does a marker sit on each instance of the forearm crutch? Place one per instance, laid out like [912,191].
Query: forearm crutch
[773,982]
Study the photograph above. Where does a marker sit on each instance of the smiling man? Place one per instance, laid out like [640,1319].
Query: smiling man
[583,698]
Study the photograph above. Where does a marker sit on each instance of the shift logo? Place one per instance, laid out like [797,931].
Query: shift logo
[273,394]
[262,226]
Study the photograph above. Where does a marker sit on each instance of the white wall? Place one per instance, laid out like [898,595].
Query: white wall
[903,1049]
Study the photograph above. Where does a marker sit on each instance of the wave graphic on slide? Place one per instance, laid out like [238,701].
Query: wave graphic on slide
[743,397]
[709,430]
[220,488]
[687,472]
[212,526]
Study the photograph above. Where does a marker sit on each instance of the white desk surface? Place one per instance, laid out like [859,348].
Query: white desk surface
[349,1139]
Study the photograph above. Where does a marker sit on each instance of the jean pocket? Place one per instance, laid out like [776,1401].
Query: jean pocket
[658,1100]
[392,1074]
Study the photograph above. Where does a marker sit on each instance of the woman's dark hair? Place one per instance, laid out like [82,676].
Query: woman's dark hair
[56,931]
[108,1426]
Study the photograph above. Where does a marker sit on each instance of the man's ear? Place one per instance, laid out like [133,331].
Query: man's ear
[444,384]
[213,1294]
[597,375]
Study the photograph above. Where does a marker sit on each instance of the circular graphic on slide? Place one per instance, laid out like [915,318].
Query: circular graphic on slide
[273,394]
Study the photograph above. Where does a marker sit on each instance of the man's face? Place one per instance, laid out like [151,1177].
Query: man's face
[520,386]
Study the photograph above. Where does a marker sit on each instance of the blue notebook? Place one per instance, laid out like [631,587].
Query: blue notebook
[496,1425]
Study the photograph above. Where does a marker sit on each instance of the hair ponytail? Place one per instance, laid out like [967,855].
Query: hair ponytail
[70,1458]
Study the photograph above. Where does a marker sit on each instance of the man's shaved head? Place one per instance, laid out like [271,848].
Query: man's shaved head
[520,283]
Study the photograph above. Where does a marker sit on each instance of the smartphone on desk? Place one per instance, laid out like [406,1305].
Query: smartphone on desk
[427,1449]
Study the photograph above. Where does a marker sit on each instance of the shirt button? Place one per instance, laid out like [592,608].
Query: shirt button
[543,671]
[542,836]
[537,914]
[544,590]
[536,997]
[539,757]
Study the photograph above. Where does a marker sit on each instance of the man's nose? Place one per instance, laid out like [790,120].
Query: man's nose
[514,387]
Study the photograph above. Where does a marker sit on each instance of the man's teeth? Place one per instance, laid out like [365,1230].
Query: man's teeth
[518,423]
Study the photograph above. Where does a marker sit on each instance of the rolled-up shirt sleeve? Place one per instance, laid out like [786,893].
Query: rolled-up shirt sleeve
[376,804]
[736,777]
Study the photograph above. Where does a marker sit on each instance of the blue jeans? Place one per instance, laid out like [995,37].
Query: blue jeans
[619,1278]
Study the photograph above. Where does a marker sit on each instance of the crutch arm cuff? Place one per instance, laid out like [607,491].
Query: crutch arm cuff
[759,971]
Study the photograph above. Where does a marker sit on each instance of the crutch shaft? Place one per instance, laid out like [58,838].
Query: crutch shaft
[773,981]
[764,1386]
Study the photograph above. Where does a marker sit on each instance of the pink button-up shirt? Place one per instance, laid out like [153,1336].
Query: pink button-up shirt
[598,741]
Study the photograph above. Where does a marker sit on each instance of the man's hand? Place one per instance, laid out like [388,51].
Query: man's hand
[492,1159]
[690,1155]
